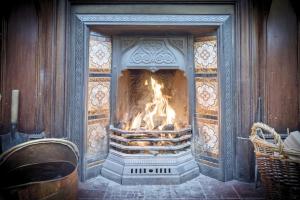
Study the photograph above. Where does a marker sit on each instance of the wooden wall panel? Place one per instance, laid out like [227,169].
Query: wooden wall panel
[34,60]
[298,17]
[19,71]
[52,65]
[2,62]
[245,93]
[281,95]
[60,64]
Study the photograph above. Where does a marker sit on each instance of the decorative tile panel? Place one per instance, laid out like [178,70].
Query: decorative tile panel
[208,131]
[98,95]
[98,99]
[100,54]
[205,51]
[206,96]
[97,136]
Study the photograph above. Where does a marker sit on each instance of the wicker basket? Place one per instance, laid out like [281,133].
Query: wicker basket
[280,175]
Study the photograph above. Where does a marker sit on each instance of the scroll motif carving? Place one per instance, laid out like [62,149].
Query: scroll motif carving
[177,43]
[127,42]
[153,52]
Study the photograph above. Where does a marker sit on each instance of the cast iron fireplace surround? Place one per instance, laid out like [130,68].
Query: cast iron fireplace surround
[77,85]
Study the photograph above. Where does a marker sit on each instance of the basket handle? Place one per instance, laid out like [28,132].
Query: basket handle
[261,126]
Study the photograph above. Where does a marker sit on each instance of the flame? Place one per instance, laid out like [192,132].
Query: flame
[136,123]
[158,112]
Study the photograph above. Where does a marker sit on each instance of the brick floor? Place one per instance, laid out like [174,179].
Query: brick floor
[201,187]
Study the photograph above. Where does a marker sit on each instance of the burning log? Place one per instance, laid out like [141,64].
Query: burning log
[168,127]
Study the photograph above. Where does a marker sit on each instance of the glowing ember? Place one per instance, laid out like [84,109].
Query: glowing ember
[157,114]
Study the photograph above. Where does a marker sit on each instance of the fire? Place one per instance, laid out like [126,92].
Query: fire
[158,113]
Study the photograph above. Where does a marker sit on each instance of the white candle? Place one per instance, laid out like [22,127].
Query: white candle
[14,106]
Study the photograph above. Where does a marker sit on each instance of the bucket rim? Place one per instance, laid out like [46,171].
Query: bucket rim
[5,155]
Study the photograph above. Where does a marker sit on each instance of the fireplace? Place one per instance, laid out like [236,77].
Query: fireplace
[152,107]
[150,135]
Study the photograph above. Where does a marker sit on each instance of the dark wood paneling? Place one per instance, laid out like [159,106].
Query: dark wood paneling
[47,18]
[246,95]
[53,21]
[62,38]
[2,64]
[262,9]
[36,58]
[20,71]
[281,70]
[298,72]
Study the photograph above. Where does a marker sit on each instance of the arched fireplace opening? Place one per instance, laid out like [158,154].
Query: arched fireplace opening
[150,131]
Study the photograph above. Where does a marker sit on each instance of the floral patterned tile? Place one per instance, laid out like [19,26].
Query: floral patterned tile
[208,131]
[97,142]
[207,96]
[98,95]
[205,51]
[100,51]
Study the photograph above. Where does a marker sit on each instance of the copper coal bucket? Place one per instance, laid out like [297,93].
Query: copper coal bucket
[40,169]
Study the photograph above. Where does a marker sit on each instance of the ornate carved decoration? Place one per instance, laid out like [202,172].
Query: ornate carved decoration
[150,19]
[77,89]
[153,52]
[127,42]
[178,43]
[228,109]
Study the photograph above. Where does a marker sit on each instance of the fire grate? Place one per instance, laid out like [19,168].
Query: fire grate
[150,142]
